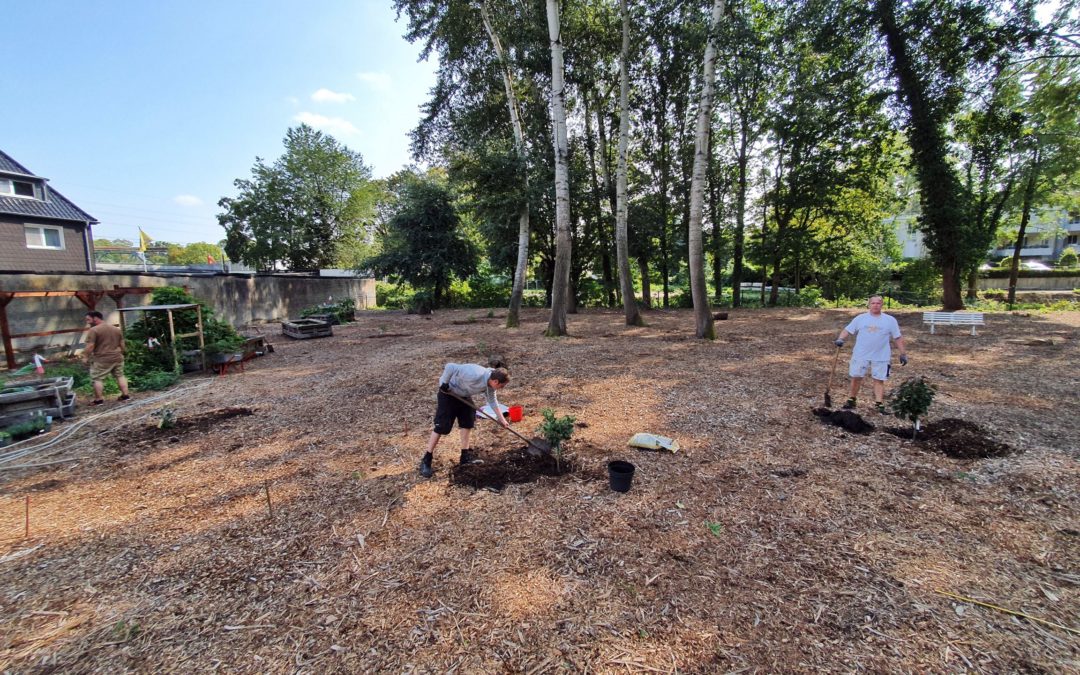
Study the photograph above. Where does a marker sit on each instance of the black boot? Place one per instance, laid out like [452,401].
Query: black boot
[467,457]
[425,466]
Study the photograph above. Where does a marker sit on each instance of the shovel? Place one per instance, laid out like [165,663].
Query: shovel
[532,444]
[828,398]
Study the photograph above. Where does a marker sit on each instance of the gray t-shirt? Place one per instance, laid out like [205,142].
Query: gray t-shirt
[872,335]
[469,379]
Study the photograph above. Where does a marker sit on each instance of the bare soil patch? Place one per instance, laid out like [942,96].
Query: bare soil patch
[300,537]
[514,466]
[957,438]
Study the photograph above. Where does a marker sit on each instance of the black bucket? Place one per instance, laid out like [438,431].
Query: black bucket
[620,475]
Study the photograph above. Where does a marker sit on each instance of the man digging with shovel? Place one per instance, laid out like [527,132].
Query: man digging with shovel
[459,382]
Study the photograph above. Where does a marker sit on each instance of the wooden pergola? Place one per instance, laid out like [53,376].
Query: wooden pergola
[169,309]
[90,298]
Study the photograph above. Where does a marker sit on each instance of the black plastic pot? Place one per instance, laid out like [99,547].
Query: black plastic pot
[620,475]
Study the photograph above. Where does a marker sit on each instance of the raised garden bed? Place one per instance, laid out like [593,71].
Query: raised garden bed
[302,329]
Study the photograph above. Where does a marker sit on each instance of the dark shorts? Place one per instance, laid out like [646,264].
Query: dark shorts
[449,410]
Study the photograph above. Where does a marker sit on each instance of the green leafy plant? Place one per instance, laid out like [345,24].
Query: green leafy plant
[27,428]
[142,363]
[715,528]
[343,310]
[556,430]
[166,418]
[912,400]
[123,630]
[5,438]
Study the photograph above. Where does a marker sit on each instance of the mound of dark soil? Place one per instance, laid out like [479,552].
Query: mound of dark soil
[516,466]
[957,438]
[203,422]
[845,419]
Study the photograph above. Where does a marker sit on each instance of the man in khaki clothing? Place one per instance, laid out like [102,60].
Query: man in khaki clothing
[105,354]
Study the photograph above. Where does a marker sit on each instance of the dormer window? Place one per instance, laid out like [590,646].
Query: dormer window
[14,187]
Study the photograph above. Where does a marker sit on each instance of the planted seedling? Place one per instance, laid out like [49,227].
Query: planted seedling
[715,528]
[555,431]
[166,418]
[912,400]
[124,630]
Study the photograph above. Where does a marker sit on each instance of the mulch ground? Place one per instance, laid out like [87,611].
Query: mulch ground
[281,525]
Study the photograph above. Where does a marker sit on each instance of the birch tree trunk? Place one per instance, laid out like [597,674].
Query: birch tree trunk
[702,312]
[521,269]
[561,282]
[626,282]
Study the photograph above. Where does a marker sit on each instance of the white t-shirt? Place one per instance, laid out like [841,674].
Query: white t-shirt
[872,335]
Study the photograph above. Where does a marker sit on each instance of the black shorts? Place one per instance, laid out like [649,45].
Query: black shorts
[449,410]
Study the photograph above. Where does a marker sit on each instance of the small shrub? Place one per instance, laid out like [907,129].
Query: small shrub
[1068,258]
[912,400]
[166,418]
[556,431]
[421,303]
[392,296]
[153,380]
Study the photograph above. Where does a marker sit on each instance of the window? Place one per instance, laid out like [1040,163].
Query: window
[17,188]
[42,236]
[1072,239]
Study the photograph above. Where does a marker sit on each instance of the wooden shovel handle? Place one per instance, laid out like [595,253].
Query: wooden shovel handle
[832,373]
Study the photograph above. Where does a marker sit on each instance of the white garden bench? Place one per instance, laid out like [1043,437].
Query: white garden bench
[953,319]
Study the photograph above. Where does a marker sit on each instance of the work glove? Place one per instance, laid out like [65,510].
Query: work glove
[445,387]
[903,359]
[838,343]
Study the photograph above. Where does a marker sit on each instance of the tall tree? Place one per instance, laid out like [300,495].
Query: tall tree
[1050,144]
[521,268]
[561,282]
[622,250]
[936,49]
[744,81]
[300,210]
[827,130]
[422,241]
[703,319]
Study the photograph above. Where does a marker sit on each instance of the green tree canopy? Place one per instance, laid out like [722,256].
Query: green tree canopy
[198,253]
[306,210]
[423,242]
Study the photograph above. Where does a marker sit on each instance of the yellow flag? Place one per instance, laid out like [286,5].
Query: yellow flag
[144,240]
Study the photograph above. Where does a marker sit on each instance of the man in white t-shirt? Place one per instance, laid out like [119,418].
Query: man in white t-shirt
[873,333]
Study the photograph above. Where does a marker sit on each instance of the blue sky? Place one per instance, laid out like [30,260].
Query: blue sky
[144,112]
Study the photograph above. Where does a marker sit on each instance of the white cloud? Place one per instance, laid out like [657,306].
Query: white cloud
[378,81]
[326,96]
[334,125]
[187,200]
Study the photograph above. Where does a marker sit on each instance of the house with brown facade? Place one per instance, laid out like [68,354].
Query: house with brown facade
[40,229]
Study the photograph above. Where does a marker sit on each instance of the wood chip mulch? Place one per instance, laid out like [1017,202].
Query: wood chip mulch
[300,537]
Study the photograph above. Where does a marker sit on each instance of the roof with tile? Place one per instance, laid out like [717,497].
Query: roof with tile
[56,206]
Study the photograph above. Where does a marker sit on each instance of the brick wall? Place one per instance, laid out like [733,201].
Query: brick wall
[14,255]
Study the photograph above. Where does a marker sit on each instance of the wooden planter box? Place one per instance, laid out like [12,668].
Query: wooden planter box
[302,329]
